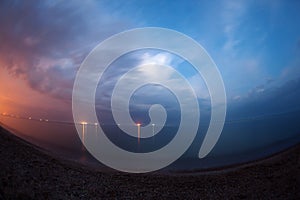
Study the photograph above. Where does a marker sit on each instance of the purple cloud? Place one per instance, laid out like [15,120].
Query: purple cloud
[45,42]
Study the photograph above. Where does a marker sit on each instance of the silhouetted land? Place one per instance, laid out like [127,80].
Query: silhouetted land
[28,172]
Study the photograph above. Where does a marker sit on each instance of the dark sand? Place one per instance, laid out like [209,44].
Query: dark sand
[28,172]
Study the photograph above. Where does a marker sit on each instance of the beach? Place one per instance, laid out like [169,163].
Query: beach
[29,172]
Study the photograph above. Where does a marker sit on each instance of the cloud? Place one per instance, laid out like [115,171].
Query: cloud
[290,72]
[237,97]
[159,58]
[232,17]
[45,42]
[147,74]
[264,99]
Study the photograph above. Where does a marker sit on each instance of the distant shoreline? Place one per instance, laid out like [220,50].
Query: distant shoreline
[94,164]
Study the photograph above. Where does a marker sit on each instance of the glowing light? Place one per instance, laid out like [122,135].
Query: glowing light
[41,120]
[96,128]
[29,117]
[153,132]
[139,132]
[83,131]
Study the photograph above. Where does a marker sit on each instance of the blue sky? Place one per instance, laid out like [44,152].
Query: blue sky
[243,37]
[251,42]
[255,44]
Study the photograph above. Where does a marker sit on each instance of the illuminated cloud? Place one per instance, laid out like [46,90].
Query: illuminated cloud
[44,43]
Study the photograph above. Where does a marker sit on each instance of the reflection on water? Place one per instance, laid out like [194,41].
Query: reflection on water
[59,137]
[241,140]
[83,133]
[83,157]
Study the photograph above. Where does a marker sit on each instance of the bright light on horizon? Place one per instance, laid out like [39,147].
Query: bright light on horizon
[139,132]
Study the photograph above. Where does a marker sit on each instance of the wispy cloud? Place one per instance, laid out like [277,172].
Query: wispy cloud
[232,17]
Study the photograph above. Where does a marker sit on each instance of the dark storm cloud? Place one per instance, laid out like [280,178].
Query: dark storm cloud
[45,42]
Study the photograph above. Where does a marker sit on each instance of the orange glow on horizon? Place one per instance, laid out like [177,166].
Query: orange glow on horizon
[19,99]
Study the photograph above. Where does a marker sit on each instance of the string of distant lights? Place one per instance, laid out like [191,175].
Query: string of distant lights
[138,125]
[252,118]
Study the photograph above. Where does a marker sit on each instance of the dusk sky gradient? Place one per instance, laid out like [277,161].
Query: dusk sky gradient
[255,45]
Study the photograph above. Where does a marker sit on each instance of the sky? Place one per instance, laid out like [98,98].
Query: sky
[255,45]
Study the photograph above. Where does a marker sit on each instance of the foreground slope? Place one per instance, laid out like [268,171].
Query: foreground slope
[27,172]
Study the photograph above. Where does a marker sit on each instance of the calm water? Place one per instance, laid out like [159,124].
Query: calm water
[241,140]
